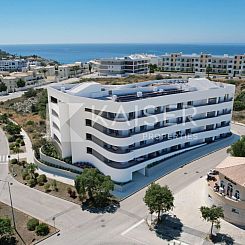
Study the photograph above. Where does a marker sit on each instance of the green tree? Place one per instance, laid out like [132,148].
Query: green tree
[30,93]
[16,150]
[159,199]
[6,228]
[20,83]
[4,118]
[31,169]
[212,215]
[208,70]
[3,87]
[94,184]
[238,148]
[12,128]
[90,67]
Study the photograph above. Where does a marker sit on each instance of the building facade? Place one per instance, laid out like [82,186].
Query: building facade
[123,129]
[128,65]
[218,64]
[227,190]
[13,65]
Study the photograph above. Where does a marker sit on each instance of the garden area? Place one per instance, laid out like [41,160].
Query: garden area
[28,229]
[12,131]
[27,174]
[29,112]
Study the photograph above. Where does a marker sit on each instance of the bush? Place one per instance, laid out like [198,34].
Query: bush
[32,182]
[11,139]
[47,187]
[32,224]
[41,179]
[22,143]
[238,105]
[30,122]
[14,161]
[42,229]
[36,175]
[28,177]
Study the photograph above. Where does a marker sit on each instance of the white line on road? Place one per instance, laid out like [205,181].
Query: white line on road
[132,227]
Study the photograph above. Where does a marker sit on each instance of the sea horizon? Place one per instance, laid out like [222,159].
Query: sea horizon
[72,52]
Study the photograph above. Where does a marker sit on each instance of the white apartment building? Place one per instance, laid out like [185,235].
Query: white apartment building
[230,65]
[123,66]
[12,65]
[11,80]
[121,129]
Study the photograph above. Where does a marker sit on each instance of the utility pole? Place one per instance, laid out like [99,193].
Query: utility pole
[11,202]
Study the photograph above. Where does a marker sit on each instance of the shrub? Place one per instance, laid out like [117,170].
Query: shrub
[36,175]
[238,105]
[32,224]
[41,179]
[28,177]
[47,187]
[11,139]
[18,140]
[42,229]
[22,143]
[14,161]
[30,122]
[32,182]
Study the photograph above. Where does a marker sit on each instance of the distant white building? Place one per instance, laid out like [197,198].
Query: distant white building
[218,64]
[12,65]
[11,81]
[123,129]
[123,66]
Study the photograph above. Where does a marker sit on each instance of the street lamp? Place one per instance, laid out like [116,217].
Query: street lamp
[11,202]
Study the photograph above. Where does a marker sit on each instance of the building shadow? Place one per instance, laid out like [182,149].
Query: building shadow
[169,228]
[223,238]
[109,207]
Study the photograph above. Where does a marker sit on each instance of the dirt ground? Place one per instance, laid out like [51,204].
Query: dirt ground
[21,220]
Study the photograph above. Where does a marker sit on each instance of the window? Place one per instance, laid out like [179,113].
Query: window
[237,195]
[88,136]
[235,211]
[88,122]
[53,100]
[222,184]
[89,150]
[229,190]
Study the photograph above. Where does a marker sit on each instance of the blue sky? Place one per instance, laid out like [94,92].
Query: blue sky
[122,21]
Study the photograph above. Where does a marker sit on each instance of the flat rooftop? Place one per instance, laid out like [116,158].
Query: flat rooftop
[137,91]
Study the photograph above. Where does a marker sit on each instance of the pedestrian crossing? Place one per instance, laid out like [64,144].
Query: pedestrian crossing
[3,158]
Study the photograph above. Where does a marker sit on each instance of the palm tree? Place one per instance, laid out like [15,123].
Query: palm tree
[208,70]
[31,168]
[16,150]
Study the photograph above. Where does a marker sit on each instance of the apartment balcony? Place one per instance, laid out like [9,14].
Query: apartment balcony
[144,129]
[137,115]
[142,158]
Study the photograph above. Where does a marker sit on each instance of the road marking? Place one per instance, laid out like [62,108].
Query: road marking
[132,227]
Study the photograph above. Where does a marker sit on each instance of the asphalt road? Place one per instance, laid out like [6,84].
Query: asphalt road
[82,227]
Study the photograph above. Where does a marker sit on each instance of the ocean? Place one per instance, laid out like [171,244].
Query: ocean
[69,53]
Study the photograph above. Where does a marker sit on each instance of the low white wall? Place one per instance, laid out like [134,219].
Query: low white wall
[57,162]
[54,170]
